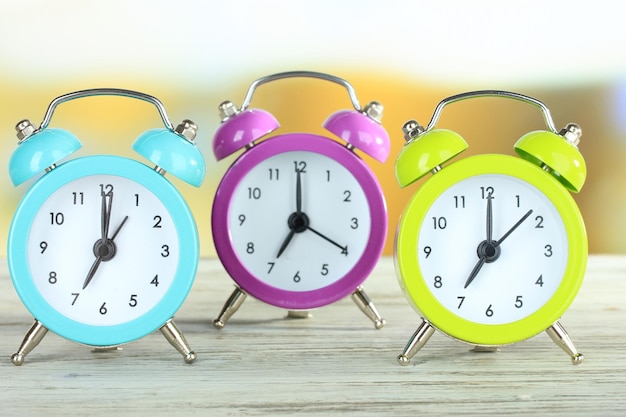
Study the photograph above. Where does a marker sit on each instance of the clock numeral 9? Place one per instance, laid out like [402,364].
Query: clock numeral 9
[427,251]
[242,219]
[43,246]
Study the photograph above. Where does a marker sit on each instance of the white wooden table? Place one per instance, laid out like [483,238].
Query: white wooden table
[334,363]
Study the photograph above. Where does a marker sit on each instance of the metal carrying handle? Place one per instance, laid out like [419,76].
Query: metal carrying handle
[492,93]
[105,92]
[302,74]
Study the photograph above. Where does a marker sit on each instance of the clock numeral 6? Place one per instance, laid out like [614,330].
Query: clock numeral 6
[103,310]
[489,311]
[297,277]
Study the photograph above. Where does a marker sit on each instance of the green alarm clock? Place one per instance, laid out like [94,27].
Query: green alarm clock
[491,249]
[103,249]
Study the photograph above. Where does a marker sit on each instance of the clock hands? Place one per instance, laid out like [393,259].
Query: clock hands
[515,226]
[105,252]
[344,249]
[104,248]
[489,250]
[298,221]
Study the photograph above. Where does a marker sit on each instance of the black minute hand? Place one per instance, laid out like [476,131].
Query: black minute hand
[515,226]
[343,248]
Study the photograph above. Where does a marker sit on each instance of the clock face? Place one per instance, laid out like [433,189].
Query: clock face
[299,222]
[65,240]
[96,250]
[516,273]
[493,251]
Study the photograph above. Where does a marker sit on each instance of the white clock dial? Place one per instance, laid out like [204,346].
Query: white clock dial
[328,235]
[523,265]
[61,250]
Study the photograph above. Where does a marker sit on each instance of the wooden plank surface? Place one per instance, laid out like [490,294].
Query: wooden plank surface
[334,363]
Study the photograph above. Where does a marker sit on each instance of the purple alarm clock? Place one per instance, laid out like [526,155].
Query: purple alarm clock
[299,220]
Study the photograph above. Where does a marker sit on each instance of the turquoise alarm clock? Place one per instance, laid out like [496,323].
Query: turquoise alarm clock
[103,249]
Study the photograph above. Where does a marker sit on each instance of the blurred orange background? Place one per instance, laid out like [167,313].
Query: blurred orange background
[193,55]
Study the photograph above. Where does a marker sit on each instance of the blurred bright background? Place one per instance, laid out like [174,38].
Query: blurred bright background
[406,54]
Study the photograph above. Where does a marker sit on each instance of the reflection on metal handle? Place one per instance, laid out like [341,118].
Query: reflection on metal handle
[302,74]
[492,93]
[105,92]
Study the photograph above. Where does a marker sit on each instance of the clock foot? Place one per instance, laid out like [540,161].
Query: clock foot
[32,338]
[416,342]
[485,349]
[298,314]
[176,339]
[362,300]
[559,336]
[230,307]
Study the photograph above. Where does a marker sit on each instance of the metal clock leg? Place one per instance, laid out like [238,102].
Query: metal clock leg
[416,342]
[230,307]
[32,338]
[559,336]
[176,339]
[367,306]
